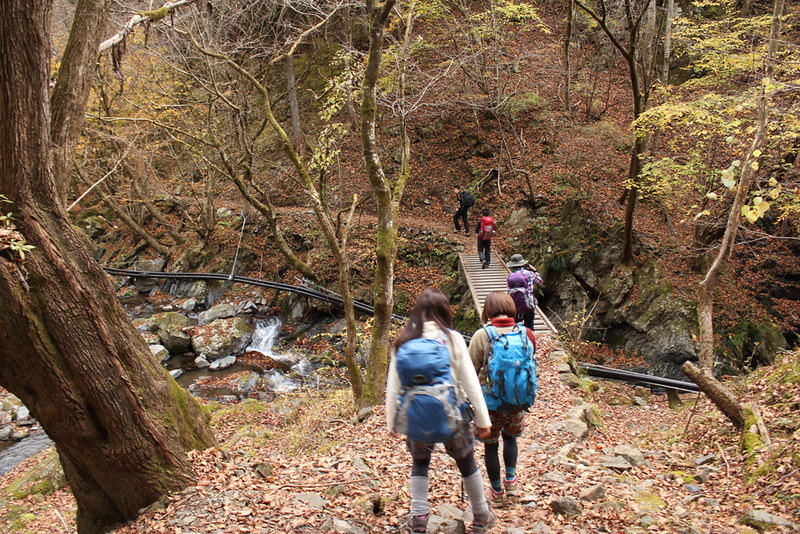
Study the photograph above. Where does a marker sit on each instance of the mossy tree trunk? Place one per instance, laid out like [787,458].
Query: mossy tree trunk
[717,392]
[388,198]
[121,425]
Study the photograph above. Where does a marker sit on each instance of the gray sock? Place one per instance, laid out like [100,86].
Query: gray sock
[419,496]
[473,484]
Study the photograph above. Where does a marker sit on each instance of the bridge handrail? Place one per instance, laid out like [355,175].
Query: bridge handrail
[301,290]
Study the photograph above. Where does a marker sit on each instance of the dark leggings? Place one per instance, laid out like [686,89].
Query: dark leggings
[510,454]
[466,466]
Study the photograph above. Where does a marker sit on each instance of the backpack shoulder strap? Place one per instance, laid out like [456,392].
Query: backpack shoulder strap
[491,331]
[526,339]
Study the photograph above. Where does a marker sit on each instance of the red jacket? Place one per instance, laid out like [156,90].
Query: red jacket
[486,228]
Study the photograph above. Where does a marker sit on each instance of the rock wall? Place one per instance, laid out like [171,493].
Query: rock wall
[588,295]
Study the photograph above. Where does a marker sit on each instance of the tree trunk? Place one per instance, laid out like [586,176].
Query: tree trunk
[294,107]
[388,208]
[567,66]
[718,393]
[121,425]
[706,289]
[71,91]
[632,197]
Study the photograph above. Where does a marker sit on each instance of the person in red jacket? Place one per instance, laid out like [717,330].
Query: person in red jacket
[485,231]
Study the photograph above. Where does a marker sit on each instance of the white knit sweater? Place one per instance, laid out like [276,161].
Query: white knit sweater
[464,377]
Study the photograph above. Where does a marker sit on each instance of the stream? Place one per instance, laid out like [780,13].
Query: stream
[22,450]
[300,374]
[300,370]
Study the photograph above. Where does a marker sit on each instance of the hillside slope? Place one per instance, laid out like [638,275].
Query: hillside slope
[303,464]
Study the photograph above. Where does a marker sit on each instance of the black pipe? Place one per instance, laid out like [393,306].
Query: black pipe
[358,305]
[600,371]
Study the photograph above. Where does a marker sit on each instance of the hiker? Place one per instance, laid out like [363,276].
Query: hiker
[431,320]
[485,231]
[508,418]
[465,202]
[522,283]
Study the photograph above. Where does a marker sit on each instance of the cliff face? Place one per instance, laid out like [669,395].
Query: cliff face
[635,312]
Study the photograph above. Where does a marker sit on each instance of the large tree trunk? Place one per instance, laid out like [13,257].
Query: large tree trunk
[121,425]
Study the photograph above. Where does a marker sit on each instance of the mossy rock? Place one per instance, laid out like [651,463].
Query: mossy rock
[649,501]
[687,478]
[21,522]
[42,479]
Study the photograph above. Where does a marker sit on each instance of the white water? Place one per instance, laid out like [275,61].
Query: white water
[264,336]
[263,341]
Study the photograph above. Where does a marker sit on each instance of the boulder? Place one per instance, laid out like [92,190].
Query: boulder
[43,478]
[577,428]
[566,506]
[145,285]
[94,226]
[631,454]
[593,493]
[160,353]
[220,311]
[169,327]
[24,417]
[222,363]
[222,337]
[189,305]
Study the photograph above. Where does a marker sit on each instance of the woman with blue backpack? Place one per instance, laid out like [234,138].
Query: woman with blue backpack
[431,377]
[502,353]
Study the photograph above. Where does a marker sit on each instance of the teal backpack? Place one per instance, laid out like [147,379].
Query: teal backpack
[510,382]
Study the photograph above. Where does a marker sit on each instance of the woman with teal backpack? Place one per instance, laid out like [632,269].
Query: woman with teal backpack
[431,319]
[508,420]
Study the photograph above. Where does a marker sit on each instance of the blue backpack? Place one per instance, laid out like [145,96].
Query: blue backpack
[429,408]
[510,370]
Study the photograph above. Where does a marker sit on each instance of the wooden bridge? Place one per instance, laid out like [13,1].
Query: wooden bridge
[483,281]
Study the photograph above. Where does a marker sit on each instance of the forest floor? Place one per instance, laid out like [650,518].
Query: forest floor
[303,463]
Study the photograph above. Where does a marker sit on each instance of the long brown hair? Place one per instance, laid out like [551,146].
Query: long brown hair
[497,303]
[431,305]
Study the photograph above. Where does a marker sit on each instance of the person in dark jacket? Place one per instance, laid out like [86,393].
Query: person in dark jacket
[461,211]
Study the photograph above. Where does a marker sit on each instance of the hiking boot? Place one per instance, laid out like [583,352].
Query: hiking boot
[417,523]
[511,487]
[483,522]
[495,498]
